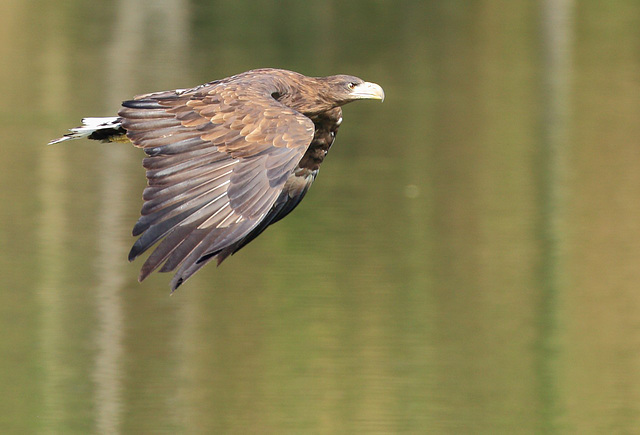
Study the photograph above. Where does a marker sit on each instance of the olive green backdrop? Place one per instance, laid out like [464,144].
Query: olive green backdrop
[468,260]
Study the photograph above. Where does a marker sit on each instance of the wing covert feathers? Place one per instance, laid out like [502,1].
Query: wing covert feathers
[218,158]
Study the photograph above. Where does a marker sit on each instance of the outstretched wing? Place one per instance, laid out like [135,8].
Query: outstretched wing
[219,156]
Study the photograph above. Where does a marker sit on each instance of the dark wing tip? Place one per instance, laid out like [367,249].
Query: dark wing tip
[133,253]
[177,284]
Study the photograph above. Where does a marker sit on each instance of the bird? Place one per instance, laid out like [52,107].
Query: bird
[225,159]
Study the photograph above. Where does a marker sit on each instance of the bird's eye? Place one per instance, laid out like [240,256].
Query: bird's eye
[351,85]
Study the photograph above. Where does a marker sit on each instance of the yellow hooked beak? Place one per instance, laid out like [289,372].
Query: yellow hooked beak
[368,91]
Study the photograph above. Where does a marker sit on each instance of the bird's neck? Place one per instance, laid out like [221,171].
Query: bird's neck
[311,97]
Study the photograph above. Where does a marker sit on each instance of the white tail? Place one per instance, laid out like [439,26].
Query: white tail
[89,126]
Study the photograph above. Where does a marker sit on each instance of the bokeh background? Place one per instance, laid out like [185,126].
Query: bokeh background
[468,260]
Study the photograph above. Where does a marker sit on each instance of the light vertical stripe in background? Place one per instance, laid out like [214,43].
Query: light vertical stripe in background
[557,36]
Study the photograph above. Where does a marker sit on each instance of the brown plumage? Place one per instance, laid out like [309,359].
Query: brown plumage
[225,159]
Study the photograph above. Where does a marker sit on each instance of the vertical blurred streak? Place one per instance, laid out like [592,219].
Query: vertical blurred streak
[107,374]
[52,171]
[556,72]
[109,332]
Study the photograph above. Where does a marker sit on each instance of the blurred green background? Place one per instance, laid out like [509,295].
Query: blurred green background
[468,260]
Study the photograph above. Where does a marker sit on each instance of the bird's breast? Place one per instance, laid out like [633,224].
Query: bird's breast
[326,128]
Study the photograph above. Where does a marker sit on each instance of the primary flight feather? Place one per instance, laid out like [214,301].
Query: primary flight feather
[225,159]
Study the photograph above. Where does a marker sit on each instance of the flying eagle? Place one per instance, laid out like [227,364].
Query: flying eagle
[225,159]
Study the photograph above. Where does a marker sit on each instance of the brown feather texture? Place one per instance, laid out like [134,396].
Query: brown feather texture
[225,159]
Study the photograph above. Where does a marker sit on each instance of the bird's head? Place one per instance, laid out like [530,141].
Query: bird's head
[344,89]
